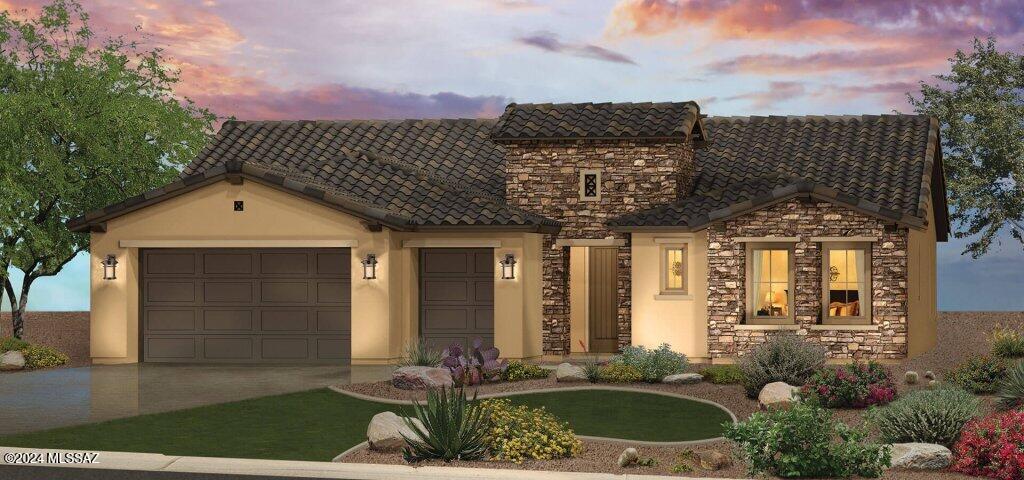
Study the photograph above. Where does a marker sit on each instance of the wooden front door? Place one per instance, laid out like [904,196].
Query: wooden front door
[603,300]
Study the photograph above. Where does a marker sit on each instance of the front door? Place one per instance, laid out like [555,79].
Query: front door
[603,301]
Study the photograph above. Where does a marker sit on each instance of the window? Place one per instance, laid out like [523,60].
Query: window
[673,269]
[769,284]
[846,286]
[590,185]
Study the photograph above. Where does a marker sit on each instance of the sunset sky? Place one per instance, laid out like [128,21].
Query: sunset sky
[320,59]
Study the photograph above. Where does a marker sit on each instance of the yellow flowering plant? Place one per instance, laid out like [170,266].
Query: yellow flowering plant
[518,433]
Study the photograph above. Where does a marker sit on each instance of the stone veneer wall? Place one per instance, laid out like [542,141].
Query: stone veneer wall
[805,219]
[543,177]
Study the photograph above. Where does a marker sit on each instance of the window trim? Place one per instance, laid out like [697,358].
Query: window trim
[663,267]
[866,303]
[751,317]
[583,173]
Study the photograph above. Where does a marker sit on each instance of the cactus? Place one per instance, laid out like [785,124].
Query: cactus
[475,366]
[910,377]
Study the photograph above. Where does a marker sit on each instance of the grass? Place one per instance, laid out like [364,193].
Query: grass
[319,424]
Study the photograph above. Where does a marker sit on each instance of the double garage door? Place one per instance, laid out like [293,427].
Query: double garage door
[246,305]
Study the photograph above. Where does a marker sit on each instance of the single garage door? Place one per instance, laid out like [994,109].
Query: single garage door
[456,295]
[246,305]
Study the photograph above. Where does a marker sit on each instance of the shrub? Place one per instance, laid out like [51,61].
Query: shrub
[418,354]
[781,358]
[722,374]
[1011,388]
[978,374]
[910,377]
[592,368]
[474,366]
[806,441]
[523,371]
[990,447]
[619,373]
[857,385]
[453,428]
[1007,343]
[926,416]
[10,343]
[516,433]
[39,356]
[653,365]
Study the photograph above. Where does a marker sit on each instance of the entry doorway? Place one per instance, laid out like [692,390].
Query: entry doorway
[602,301]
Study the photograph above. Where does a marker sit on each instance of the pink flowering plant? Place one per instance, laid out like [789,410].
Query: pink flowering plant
[992,447]
[857,385]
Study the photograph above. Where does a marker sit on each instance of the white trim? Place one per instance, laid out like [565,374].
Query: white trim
[680,239]
[744,326]
[450,243]
[673,296]
[238,243]
[590,242]
[766,239]
[844,239]
[861,328]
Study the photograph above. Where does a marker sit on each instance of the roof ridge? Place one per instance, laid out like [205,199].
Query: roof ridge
[845,116]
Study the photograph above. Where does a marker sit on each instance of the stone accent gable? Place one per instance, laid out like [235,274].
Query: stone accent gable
[806,219]
[542,177]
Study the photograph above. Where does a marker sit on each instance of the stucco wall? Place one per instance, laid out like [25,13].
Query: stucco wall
[922,289]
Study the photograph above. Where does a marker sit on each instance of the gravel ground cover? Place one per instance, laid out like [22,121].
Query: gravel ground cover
[65,331]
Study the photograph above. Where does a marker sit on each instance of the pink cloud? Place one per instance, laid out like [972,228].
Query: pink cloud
[828,61]
[777,92]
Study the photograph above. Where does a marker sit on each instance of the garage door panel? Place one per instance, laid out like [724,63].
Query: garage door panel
[170,264]
[288,263]
[227,263]
[437,318]
[447,290]
[483,319]
[171,348]
[483,263]
[333,348]
[228,348]
[284,320]
[483,291]
[333,264]
[228,292]
[170,291]
[333,320]
[333,292]
[227,320]
[285,348]
[275,291]
[171,320]
[437,262]
[456,296]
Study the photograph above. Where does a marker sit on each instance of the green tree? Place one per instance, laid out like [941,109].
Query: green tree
[84,122]
[980,105]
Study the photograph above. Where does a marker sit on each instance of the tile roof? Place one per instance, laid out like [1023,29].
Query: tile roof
[881,164]
[537,121]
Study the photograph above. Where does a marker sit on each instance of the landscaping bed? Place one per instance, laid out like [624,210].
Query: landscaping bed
[67,332]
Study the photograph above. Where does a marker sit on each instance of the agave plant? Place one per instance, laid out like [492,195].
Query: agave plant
[453,428]
[1011,388]
[474,366]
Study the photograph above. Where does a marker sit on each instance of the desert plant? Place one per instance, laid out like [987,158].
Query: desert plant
[990,447]
[910,378]
[925,416]
[856,385]
[979,374]
[453,428]
[517,433]
[1007,342]
[722,374]
[781,358]
[40,356]
[806,441]
[474,366]
[619,373]
[523,371]
[653,365]
[418,354]
[10,343]
[1011,388]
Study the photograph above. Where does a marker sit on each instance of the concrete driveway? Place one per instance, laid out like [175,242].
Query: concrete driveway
[40,400]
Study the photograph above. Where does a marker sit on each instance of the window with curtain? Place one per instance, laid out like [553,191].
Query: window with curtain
[674,270]
[847,277]
[770,285]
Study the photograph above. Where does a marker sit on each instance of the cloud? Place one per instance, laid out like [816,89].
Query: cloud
[777,92]
[549,42]
[891,93]
[827,61]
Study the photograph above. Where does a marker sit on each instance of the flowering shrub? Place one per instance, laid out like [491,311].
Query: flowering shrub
[857,385]
[653,365]
[523,371]
[979,374]
[517,433]
[722,374]
[1007,342]
[619,373]
[992,447]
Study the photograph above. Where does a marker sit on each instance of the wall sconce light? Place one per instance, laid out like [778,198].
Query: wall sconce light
[369,266]
[109,267]
[508,267]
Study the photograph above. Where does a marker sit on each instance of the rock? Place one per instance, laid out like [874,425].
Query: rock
[628,457]
[683,378]
[777,395]
[567,372]
[12,360]
[713,460]
[910,377]
[420,378]
[930,375]
[920,456]
[933,384]
[384,434]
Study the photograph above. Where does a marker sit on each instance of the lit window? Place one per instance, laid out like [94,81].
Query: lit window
[770,286]
[674,270]
[847,278]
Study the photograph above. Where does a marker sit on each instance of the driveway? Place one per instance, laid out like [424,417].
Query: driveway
[40,400]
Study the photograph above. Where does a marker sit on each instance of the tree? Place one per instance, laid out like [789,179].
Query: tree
[980,105]
[81,126]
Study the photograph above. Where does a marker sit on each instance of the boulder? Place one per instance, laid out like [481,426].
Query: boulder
[628,457]
[683,378]
[420,378]
[567,372]
[12,360]
[777,395]
[384,434]
[713,460]
[920,456]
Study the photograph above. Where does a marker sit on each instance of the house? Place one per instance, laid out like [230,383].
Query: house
[553,230]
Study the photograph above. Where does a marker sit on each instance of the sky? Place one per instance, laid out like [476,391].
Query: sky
[340,59]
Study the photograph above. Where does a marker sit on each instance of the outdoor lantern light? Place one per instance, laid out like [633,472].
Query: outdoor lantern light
[109,267]
[508,267]
[369,267]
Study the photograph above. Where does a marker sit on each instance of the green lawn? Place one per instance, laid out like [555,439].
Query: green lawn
[319,424]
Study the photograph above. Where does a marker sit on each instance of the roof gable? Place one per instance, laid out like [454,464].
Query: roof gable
[546,121]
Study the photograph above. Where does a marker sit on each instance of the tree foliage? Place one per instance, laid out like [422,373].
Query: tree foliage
[84,123]
[980,105]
